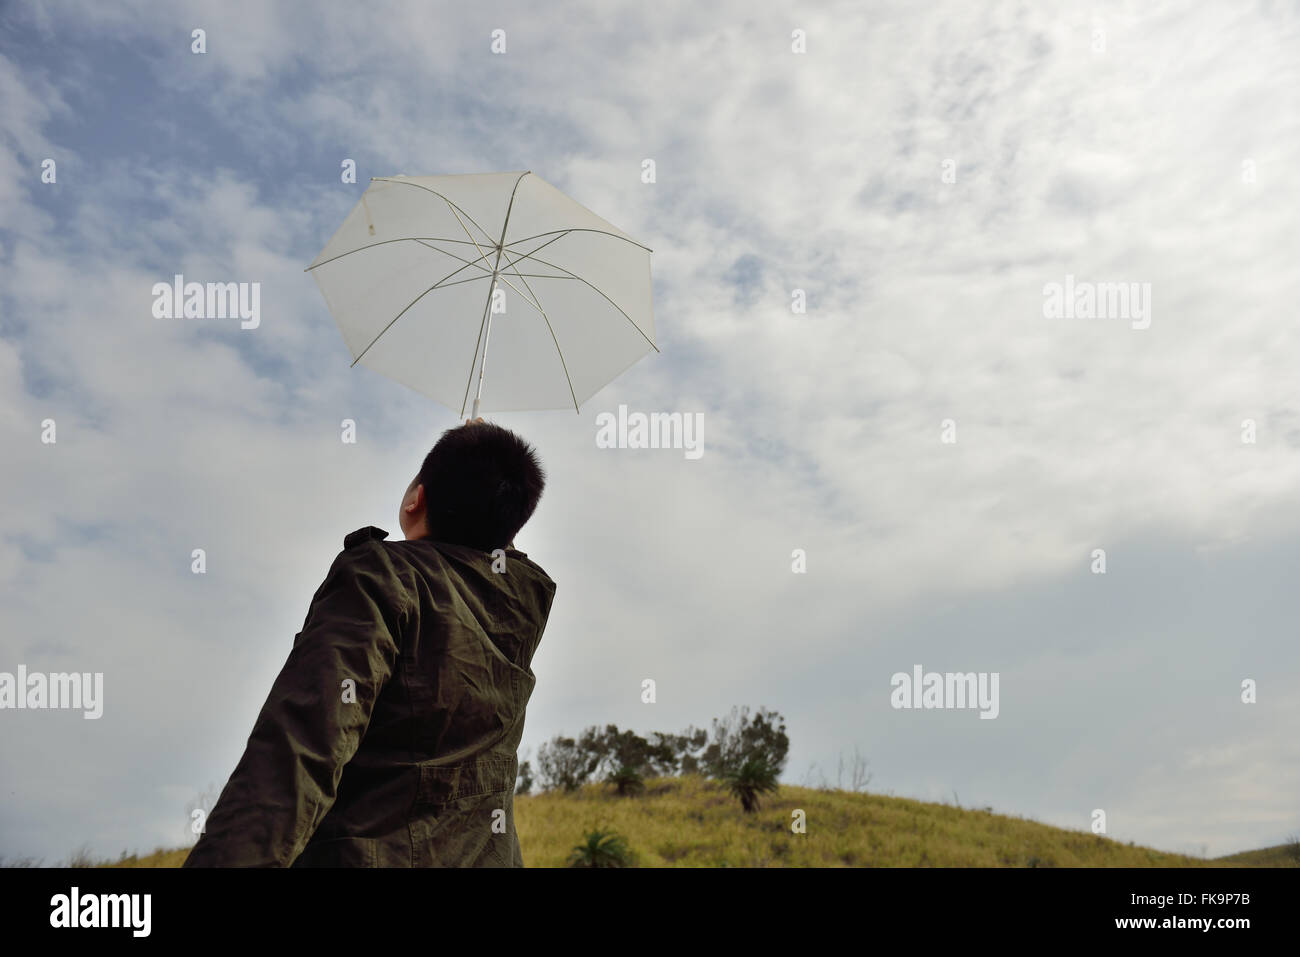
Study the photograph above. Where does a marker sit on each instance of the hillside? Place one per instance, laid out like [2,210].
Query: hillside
[1280,855]
[693,822]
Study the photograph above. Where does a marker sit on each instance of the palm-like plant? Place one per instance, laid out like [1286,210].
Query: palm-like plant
[627,780]
[601,849]
[749,780]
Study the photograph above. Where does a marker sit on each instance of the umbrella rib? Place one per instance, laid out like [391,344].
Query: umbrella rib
[454,207]
[412,303]
[532,254]
[574,275]
[456,211]
[563,233]
[401,239]
[500,243]
[482,255]
[526,297]
[579,229]
[444,285]
[540,275]
[547,319]
[468,262]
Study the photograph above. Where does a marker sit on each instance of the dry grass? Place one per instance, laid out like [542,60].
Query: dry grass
[694,822]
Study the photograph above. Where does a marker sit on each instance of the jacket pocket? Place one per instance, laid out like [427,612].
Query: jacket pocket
[340,852]
[464,833]
[445,784]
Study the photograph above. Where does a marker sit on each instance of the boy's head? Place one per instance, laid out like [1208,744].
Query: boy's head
[476,487]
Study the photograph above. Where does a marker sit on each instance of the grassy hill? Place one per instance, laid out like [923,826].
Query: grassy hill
[1281,855]
[694,822]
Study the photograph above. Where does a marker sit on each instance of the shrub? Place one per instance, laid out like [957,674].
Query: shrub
[602,849]
[627,781]
[750,780]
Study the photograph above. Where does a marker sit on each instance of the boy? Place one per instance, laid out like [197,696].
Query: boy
[390,737]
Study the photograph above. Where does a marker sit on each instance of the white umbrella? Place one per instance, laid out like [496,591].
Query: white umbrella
[426,269]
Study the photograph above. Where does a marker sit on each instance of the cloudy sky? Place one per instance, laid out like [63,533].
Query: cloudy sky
[921,172]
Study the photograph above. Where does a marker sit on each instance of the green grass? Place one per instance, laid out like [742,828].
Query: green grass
[693,822]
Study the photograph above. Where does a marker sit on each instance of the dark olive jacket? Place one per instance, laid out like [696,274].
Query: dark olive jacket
[390,737]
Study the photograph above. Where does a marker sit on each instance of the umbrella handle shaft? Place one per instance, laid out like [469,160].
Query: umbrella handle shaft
[482,368]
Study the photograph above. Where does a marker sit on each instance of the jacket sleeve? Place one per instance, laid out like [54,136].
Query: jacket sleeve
[311,724]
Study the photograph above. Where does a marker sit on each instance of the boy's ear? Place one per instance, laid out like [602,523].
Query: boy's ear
[413,498]
[415,491]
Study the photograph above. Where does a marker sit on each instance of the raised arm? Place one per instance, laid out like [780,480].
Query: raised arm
[306,732]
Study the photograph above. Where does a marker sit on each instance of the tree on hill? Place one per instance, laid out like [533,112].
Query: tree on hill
[562,763]
[685,748]
[609,753]
[626,780]
[738,739]
[613,749]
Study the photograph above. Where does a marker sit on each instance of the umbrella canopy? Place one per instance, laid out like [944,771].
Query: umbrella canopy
[426,271]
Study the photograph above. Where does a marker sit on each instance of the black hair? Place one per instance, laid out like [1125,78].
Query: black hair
[481,484]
